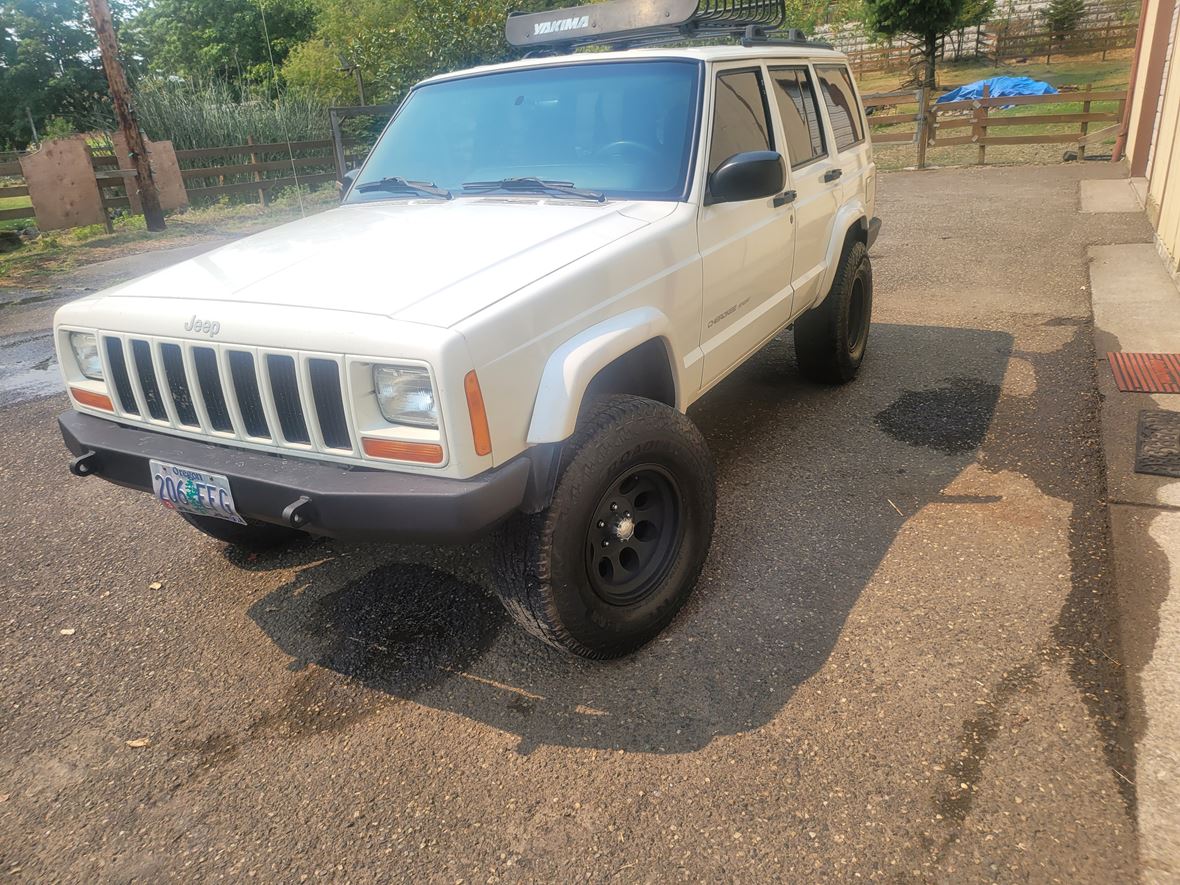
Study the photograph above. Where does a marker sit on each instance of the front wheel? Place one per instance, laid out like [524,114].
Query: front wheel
[830,339]
[618,551]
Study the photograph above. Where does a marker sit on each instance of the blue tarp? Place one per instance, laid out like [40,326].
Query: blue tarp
[1000,87]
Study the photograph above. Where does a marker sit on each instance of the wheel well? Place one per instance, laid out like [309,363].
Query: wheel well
[857,233]
[643,371]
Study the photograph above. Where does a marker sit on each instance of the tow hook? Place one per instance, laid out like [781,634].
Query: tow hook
[298,513]
[84,465]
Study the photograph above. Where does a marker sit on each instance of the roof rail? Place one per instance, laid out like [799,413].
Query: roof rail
[631,23]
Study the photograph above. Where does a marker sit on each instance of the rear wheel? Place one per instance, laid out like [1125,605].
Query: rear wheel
[253,536]
[830,340]
[617,553]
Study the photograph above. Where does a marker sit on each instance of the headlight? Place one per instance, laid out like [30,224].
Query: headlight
[85,347]
[405,395]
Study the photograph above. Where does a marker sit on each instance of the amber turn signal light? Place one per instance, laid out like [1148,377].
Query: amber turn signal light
[92,399]
[396,450]
[479,415]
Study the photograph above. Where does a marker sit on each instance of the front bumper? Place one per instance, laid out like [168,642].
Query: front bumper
[356,503]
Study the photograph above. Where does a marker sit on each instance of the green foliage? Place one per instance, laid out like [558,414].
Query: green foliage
[975,13]
[57,127]
[218,38]
[48,66]
[215,113]
[313,71]
[1063,16]
[924,20]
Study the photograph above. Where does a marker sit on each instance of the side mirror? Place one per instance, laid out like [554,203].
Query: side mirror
[751,175]
[345,184]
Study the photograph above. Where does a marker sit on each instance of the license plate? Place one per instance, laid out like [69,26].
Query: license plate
[194,491]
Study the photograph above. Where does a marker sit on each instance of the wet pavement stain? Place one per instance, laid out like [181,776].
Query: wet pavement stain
[28,367]
[400,628]
[952,419]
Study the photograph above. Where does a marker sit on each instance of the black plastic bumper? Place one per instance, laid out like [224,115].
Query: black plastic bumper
[342,501]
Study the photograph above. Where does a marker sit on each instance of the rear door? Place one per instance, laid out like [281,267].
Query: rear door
[747,248]
[847,120]
[813,177]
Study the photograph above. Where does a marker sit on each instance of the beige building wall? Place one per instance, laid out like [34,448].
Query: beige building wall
[1163,132]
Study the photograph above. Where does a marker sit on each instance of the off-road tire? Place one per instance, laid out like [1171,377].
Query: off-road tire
[256,536]
[543,562]
[830,339]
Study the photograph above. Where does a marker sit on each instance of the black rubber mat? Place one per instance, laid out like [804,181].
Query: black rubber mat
[1157,450]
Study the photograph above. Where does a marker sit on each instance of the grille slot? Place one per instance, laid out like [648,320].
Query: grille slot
[329,403]
[146,371]
[174,374]
[241,368]
[284,385]
[209,381]
[118,364]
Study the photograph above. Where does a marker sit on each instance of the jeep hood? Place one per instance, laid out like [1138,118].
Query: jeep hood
[444,260]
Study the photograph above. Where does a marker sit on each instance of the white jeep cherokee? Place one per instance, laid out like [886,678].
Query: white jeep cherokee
[539,268]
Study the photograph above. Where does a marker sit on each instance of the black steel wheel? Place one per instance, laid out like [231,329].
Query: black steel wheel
[634,535]
[617,553]
[831,339]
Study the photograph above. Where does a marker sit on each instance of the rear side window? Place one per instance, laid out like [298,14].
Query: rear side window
[795,95]
[840,97]
[740,118]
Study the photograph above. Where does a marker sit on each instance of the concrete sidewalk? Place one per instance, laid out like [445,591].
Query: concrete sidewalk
[1137,308]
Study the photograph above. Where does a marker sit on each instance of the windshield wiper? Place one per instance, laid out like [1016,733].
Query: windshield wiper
[533,185]
[396,185]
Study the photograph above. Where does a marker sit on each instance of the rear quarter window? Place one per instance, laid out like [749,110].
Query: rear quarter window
[843,108]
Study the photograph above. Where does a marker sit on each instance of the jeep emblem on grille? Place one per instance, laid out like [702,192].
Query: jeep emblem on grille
[206,327]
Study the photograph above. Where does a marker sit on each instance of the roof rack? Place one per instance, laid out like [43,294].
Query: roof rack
[631,23]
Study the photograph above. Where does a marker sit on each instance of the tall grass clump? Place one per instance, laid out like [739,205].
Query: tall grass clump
[215,114]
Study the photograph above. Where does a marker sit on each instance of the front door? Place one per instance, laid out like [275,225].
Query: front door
[747,248]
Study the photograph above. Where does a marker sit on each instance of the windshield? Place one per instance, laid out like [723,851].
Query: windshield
[624,129]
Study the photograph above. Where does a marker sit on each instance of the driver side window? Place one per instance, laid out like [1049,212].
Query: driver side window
[741,120]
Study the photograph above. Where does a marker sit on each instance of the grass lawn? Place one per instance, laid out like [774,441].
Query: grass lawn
[58,252]
[15,203]
[1104,75]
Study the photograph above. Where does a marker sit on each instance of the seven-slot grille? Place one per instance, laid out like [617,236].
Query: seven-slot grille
[285,399]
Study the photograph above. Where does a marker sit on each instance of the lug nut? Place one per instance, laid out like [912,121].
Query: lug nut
[614,507]
[601,524]
[605,542]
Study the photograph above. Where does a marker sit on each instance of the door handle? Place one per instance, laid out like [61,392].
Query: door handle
[784,198]
[833,174]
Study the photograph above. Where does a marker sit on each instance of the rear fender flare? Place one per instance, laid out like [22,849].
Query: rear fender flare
[851,214]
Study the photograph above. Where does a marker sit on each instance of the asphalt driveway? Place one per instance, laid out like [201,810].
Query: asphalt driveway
[901,663]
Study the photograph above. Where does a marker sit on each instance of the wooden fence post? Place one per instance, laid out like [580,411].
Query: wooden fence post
[1106,39]
[979,129]
[1085,127]
[922,130]
[257,174]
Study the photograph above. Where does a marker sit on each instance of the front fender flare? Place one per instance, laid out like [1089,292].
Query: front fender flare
[574,364]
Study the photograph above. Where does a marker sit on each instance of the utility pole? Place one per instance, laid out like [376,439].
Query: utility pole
[108,45]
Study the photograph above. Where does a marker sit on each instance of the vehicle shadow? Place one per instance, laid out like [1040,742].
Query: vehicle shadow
[812,486]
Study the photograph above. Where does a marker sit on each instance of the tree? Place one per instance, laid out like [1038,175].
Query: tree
[924,21]
[49,67]
[1063,16]
[219,38]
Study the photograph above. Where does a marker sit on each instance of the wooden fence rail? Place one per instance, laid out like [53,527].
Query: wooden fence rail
[929,119]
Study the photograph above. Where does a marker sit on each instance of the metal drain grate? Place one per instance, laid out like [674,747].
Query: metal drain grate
[1157,450]
[1146,372]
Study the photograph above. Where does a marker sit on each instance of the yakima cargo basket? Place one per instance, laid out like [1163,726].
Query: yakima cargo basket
[628,23]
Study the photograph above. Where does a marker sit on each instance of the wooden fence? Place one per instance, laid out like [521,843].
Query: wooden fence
[254,170]
[1001,41]
[983,122]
